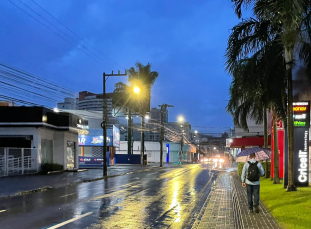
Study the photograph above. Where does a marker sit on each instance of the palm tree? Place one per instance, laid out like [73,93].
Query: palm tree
[293,17]
[143,78]
[251,96]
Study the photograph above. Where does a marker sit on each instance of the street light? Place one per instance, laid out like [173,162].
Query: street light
[136,89]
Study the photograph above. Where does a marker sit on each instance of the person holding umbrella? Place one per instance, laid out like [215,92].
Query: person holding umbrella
[250,177]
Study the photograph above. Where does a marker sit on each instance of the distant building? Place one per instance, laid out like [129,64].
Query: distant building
[69,104]
[153,127]
[87,101]
[8,104]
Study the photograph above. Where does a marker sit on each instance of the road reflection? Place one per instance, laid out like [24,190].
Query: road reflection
[165,200]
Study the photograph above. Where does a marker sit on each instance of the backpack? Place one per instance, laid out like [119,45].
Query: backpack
[253,172]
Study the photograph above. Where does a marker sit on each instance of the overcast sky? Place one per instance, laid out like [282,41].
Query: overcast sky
[183,40]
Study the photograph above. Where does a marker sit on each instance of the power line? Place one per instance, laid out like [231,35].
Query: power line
[66,27]
[99,60]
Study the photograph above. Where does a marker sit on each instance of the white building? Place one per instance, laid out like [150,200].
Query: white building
[152,149]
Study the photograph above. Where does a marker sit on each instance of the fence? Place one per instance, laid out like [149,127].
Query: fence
[14,161]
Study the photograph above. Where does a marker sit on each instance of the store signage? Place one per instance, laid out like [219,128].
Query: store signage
[301,156]
[301,143]
[86,140]
[116,136]
[90,160]
[301,114]
[281,141]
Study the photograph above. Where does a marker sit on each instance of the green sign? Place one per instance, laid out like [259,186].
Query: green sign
[299,123]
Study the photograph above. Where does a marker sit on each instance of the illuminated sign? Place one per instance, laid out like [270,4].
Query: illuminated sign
[301,114]
[86,140]
[300,108]
[303,167]
[116,136]
[301,156]
[298,123]
[301,143]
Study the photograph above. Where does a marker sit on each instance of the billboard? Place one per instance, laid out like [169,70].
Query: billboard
[301,114]
[86,140]
[116,137]
[301,143]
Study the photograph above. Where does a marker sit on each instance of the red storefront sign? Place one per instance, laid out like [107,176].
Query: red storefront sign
[281,135]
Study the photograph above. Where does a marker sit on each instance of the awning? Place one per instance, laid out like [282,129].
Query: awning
[247,141]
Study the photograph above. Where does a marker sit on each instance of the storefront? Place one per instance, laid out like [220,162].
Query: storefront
[91,147]
[46,136]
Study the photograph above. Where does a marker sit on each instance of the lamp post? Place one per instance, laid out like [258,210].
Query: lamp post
[105,120]
[181,121]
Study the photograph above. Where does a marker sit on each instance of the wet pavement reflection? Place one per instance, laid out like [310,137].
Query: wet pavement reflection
[163,198]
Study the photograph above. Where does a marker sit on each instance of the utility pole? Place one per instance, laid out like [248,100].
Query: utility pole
[163,106]
[105,120]
[181,146]
[129,133]
[142,139]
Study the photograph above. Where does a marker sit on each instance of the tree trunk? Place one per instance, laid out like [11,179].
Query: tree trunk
[142,140]
[265,122]
[290,124]
[276,175]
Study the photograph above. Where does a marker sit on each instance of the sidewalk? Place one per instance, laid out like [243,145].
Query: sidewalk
[226,207]
[20,185]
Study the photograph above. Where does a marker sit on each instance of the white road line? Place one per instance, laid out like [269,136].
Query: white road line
[2,210]
[67,195]
[69,221]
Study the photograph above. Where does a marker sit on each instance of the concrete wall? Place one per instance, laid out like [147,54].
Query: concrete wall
[59,138]
[153,151]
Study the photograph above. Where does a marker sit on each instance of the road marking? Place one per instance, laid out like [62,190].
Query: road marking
[68,195]
[2,210]
[69,221]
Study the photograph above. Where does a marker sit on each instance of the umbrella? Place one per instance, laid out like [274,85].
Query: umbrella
[261,154]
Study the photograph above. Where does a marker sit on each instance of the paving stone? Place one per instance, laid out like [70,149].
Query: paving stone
[226,207]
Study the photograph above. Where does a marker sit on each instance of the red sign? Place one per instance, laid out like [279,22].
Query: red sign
[281,135]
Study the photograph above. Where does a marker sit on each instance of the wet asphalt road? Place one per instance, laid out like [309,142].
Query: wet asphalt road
[164,198]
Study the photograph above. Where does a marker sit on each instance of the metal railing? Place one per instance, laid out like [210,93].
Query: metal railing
[14,161]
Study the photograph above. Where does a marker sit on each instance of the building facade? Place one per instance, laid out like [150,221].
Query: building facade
[30,136]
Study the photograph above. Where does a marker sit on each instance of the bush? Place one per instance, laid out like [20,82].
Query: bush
[47,167]
[241,164]
[240,168]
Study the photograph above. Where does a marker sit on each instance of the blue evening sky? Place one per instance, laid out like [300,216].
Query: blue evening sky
[183,40]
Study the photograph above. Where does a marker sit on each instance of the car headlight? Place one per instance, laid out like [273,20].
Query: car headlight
[221,160]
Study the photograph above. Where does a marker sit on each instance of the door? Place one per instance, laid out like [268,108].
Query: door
[71,152]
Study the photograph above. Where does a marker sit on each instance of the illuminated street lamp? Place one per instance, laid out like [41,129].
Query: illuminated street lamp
[136,89]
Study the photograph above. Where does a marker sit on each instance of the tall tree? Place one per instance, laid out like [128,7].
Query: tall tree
[258,82]
[293,17]
[143,78]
